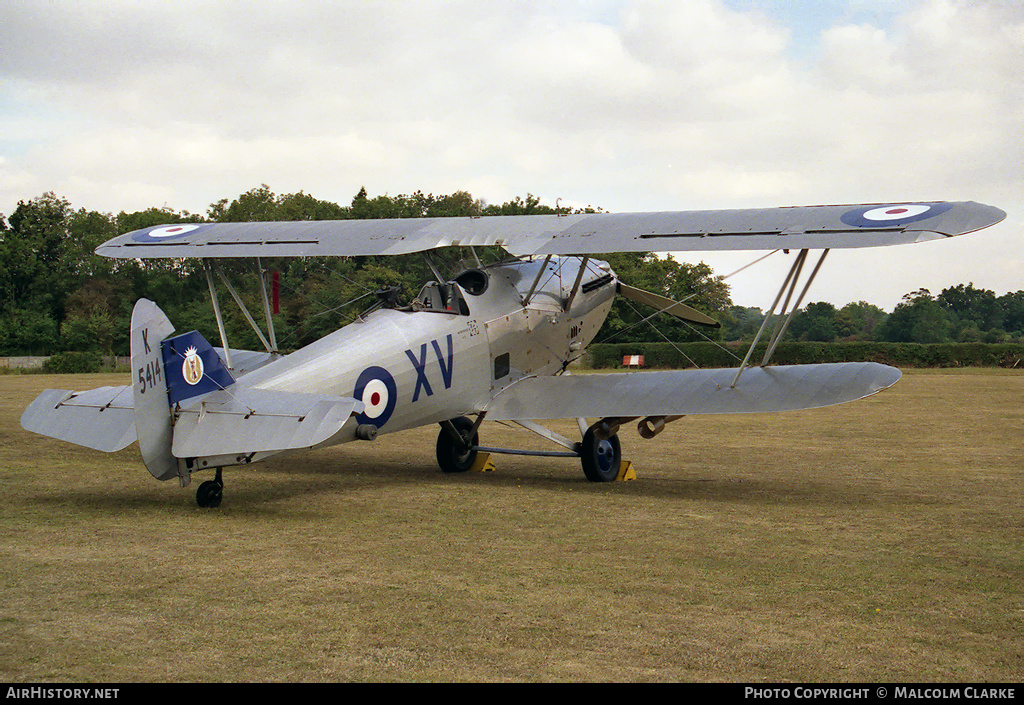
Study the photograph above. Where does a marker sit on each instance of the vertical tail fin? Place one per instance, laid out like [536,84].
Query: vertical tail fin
[166,371]
[149,389]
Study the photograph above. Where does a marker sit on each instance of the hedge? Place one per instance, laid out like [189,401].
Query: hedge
[680,355]
[73,363]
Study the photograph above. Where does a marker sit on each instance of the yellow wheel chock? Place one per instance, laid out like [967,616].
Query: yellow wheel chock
[626,471]
[483,463]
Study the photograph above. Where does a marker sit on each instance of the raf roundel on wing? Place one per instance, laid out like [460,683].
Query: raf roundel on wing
[893,215]
[164,232]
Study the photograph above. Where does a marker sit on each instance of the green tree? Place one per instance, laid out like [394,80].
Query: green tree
[1012,305]
[460,203]
[860,320]
[741,322]
[972,309]
[530,205]
[919,318]
[365,208]
[99,317]
[45,253]
[818,322]
[262,204]
[28,332]
[35,266]
[693,284]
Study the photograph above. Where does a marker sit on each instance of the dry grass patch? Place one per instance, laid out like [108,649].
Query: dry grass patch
[872,541]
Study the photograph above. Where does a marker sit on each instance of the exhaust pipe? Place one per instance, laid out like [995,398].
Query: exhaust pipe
[609,426]
[653,425]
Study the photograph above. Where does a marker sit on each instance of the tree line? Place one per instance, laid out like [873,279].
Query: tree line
[958,314]
[56,295]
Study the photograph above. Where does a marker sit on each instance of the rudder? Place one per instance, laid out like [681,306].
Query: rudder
[149,391]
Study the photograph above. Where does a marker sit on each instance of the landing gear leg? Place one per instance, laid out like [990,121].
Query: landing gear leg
[211,492]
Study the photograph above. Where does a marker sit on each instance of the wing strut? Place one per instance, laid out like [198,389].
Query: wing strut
[216,313]
[266,305]
[271,344]
[576,284]
[242,307]
[790,283]
[536,281]
[430,263]
[781,328]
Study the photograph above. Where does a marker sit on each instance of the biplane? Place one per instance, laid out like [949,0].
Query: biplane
[490,343]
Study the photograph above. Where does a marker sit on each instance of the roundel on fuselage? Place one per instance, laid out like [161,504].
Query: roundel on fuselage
[376,388]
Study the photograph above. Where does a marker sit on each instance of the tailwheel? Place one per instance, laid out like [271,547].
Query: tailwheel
[211,492]
[601,457]
[453,455]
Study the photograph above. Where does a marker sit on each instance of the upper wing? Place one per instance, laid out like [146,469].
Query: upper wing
[686,392]
[810,227]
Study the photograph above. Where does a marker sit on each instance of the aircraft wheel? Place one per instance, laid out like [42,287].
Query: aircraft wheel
[601,457]
[451,456]
[210,494]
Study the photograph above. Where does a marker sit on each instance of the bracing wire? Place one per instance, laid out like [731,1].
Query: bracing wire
[658,331]
[647,319]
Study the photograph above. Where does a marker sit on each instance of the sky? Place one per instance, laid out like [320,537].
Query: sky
[626,106]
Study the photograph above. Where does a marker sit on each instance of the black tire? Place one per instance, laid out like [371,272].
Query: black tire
[601,458]
[452,456]
[210,494]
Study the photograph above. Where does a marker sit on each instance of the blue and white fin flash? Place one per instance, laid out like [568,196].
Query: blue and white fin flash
[192,367]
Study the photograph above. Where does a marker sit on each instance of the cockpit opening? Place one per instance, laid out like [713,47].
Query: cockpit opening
[473,281]
[442,299]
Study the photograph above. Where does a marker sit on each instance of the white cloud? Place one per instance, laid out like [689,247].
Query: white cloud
[624,105]
[861,56]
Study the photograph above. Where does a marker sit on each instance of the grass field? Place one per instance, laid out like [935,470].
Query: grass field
[875,541]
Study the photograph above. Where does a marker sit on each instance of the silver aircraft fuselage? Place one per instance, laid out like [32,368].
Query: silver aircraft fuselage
[456,347]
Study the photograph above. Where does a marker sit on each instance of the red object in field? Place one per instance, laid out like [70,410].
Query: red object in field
[632,360]
[275,287]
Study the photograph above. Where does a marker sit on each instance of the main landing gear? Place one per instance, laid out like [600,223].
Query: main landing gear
[211,492]
[600,452]
[457,444]
[601,456]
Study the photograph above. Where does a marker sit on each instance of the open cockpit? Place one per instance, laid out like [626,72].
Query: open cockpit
[451,297]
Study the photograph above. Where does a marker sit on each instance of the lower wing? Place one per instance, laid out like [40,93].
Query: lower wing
[686,392]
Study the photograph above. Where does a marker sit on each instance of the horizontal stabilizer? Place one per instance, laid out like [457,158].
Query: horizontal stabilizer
[101,419]
[685,392]
[667,306]
[239,420]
